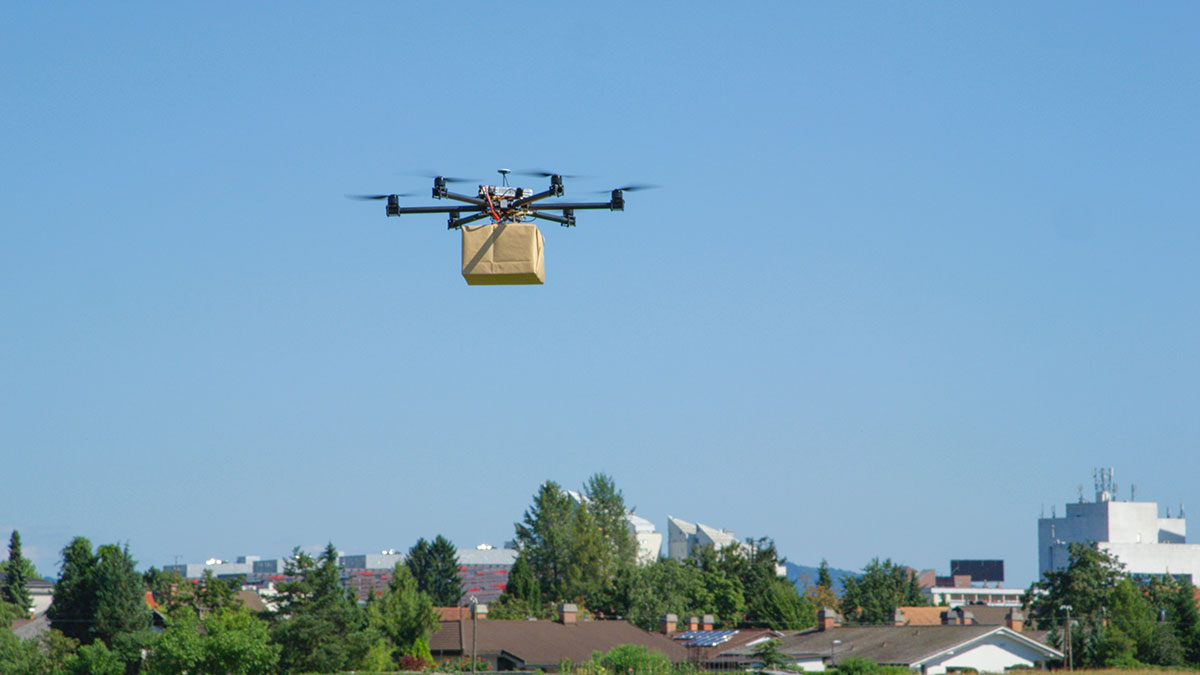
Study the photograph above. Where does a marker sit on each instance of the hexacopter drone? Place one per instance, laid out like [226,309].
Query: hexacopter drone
[508,250]
[503,203]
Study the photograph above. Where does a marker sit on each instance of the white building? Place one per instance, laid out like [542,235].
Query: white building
[649,540]
[1132,531]
[684,539]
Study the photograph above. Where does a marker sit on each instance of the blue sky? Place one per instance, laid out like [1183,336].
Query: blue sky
[914,270]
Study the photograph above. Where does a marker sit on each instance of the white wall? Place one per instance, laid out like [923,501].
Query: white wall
[991,655]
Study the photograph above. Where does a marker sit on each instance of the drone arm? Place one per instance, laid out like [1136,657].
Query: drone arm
[612,206]
[459,222]
[424,209]
[567,219]
[535,197]
[463,198]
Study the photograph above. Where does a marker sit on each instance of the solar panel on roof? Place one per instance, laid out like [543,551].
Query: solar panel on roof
[705,638]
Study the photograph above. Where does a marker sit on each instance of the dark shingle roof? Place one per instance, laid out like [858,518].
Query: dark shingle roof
[547,643]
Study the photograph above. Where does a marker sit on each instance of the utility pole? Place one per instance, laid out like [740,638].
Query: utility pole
[474,630]
[1069,650]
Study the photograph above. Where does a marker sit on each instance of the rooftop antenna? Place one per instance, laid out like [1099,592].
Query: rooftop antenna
[1080,488]
[1133,492]
[1181,509]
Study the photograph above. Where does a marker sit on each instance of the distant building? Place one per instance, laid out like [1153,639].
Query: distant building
[970,582]
[1134,532]
[685,539]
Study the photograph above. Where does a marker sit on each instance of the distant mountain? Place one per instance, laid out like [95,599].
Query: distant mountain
[799,574]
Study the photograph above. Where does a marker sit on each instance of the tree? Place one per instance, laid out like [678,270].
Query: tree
[434,566]
[633,659]
[644,594]
[771,657]
[544,538]
[14,590]
[318,626]
[607,506]
[522,598]
[74,606]
[1085,585]
[120,596]
[873,597]
[821,594]
[404,615]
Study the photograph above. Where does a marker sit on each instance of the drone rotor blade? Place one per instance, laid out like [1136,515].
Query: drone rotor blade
[369,197]
[448,179]
[633,188]
[547,174]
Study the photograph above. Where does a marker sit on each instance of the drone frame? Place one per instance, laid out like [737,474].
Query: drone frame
[504,210]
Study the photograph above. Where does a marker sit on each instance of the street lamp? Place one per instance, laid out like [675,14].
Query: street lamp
[474,630]
[1069,650]
[833,645]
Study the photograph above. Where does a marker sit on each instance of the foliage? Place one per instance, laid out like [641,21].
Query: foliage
[607,506]
[404,615]
[576,550]
[821,594]
[522,598]
[771,657]
[873,597]
[435,568]
[74,595]
[544,539]
[634,659]
[96,659]
[1085,585]
[120,598]
[16,575]
[99,595]
[318,626]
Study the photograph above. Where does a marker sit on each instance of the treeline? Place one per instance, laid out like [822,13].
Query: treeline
[102,621]
[582,551]
[1103,617]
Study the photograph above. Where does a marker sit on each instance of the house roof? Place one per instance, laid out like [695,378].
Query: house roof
[895,645]
[984,615]
[547,643]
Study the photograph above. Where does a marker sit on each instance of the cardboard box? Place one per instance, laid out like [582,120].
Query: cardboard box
[503,254]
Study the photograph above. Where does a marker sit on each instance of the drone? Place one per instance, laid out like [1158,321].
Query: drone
[504,203]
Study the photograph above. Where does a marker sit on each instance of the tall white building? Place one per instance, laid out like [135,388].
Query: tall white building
[684,538]
[1132,531]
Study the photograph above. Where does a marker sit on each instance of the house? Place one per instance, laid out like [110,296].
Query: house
[540,645]
[932,650]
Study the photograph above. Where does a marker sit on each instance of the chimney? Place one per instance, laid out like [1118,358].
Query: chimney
[693,623]
[828,618]
[898,618]
[1014,620]
[706,622]
[480,612]
[567,613]
[667,622]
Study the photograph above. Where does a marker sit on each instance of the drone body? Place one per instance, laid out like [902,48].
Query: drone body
[509,249]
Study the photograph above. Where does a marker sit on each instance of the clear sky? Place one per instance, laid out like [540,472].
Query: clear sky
[914,270]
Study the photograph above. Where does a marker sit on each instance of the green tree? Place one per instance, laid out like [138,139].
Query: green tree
[771,657]
[634,659]
[821,594]
[74,606]
[434,566]
[120,595]
[873,597]
[522,598]
[644,594]
[544,539]
[238,643]
[318,626]
[1086,585]
[14,589]
[96,659]
[608,509]
[404,615]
